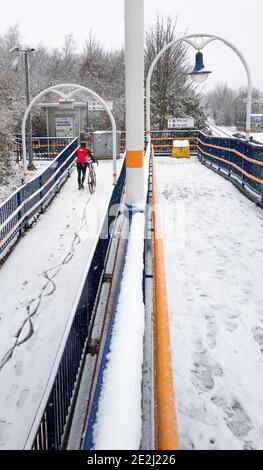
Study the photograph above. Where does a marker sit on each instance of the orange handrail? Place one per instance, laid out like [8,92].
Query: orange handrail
[166,433]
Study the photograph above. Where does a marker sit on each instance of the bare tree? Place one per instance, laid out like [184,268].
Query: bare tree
[227,106]
[7,126]
[171,88]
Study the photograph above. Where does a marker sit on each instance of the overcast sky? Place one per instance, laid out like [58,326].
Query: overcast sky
[238,21]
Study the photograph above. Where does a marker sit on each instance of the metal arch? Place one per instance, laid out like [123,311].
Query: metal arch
[55,89]
[203,43]
[206,38]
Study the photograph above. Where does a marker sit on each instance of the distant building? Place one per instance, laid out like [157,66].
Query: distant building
[70,118]
[65,119]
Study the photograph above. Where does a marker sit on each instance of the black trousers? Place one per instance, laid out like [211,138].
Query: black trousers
[81,168]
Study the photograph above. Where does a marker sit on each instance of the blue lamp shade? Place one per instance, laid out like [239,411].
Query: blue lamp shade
[199,74]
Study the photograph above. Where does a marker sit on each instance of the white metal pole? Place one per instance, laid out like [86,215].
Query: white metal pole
[148,106]
[28,99]
[47,124]
[134,94]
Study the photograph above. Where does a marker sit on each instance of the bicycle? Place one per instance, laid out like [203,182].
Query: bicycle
[91,179]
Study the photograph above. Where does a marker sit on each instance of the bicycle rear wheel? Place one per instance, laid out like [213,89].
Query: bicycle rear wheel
[92,181]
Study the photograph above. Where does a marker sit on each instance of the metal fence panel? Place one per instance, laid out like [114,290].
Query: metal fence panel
[54,419]
[31,198]
[240,160]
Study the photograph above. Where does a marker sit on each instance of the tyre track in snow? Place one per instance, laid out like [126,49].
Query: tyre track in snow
[50,245]
[33,305]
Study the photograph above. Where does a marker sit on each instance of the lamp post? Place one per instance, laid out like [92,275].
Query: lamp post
[26,51]
[134,99]
[198,42]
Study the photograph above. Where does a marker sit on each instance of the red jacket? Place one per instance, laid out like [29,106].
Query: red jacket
[82,154]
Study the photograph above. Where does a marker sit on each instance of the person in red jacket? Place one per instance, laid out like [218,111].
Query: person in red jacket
[84,158]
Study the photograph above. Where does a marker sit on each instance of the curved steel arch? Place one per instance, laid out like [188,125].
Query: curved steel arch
[206,38]
[55,89]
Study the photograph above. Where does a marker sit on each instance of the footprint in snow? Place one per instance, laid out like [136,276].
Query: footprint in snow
[216,306]
[202,377]
[22,398]
[36,397]
[249,445]
[212,330]
[4,428]
[204,369]
[257,333]
[12,392]
[235,417]
[18,367]
[230,326]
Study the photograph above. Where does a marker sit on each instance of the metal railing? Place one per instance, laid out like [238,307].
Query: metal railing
[166,431]
[163,140]
[92,415]
[238,160]
[44,148]
[255,126]
[31,198]
[52,419]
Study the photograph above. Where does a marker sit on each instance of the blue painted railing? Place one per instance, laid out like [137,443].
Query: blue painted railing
[88,435]
[44,148]
[239,160]
[31,198]
[48,430]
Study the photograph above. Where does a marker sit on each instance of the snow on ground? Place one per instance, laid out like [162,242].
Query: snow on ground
[258,136]
[13,181]
[214,264]
[43,275]
[222,131]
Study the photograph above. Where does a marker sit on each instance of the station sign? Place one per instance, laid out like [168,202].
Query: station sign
[178,123]
[96,106]
[64,126]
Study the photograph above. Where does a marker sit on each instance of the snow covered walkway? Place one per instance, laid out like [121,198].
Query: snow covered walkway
[42,278]
[214,263]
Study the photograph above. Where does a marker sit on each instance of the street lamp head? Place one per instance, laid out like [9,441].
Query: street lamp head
[14,49]
[199,74]
[21,49]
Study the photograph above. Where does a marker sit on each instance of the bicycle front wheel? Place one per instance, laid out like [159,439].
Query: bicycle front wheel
[92,181]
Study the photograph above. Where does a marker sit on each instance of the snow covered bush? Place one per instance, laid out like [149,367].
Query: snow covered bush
[6,129]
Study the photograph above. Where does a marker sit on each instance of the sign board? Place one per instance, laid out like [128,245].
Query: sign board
[96,106]
[66,104]
[181,122]
[64,126]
